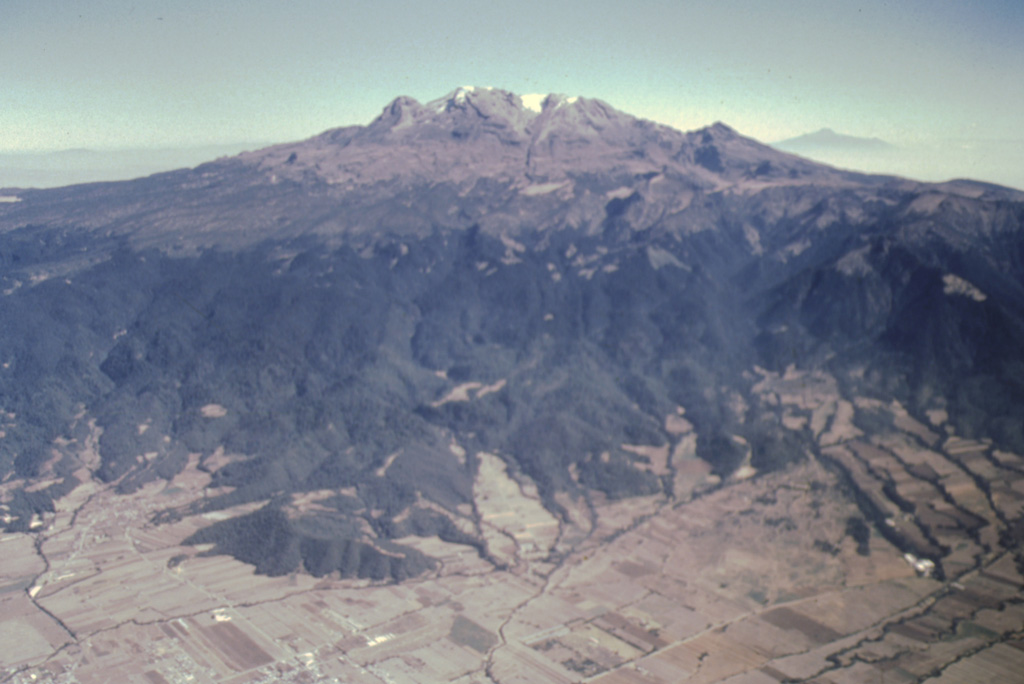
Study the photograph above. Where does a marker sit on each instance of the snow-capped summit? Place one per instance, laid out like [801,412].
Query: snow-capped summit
[534,101]
[539,102]
[476,132]
[487,97]
[457,97]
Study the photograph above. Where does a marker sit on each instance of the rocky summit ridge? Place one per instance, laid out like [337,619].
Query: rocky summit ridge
[339,333]
[479,132]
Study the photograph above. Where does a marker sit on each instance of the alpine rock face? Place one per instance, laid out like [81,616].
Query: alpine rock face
[341,334]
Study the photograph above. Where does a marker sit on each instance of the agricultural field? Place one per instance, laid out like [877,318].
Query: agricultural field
[878,557]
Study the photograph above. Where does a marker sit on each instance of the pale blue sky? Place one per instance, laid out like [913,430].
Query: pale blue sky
[130,73]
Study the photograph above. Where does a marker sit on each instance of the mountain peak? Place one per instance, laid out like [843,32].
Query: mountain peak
[828,138]
[473,113]
[460,97]
[473,132]
[402,108]
[722,131]
[540,103]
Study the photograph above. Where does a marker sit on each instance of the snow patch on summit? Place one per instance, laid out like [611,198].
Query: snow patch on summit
[533,101]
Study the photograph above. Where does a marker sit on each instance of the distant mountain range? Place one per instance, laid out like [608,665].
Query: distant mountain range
[547,279]
[827,139]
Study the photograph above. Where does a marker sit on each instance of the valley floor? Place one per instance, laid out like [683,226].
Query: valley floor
[750,581]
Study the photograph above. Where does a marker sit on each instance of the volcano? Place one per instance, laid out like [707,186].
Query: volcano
[340,331]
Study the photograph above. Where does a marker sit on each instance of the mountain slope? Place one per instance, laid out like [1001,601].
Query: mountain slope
[353,319]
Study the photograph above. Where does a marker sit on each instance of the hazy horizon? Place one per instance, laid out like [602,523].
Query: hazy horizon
[992,161]
[183,73]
